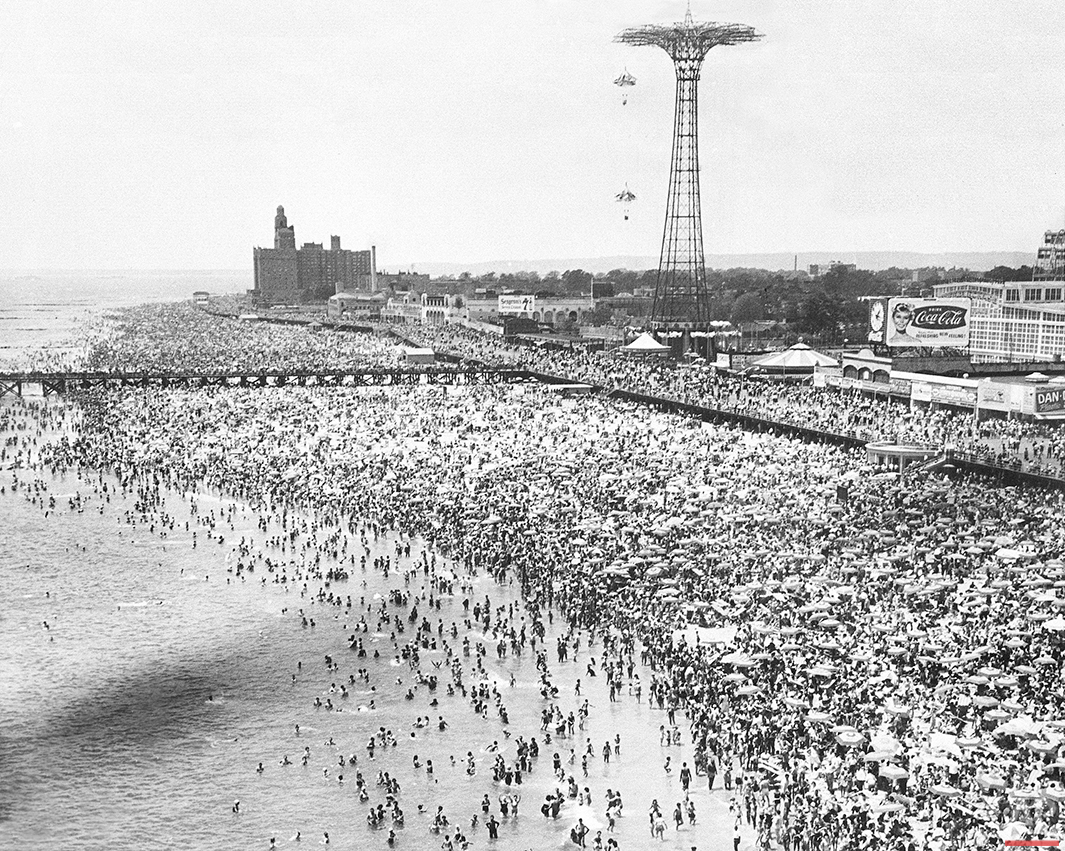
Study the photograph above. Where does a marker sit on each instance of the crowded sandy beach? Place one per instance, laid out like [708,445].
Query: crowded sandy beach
[578,621]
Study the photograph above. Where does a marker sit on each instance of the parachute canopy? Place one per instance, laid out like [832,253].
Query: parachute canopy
[624,82]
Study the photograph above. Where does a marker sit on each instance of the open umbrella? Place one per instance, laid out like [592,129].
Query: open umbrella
[945,790]
[991,781]
[894,772]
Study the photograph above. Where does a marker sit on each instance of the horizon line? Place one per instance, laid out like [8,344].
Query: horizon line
[24,270]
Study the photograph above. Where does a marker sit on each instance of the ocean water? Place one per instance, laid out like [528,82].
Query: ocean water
[143,683]
[41,312]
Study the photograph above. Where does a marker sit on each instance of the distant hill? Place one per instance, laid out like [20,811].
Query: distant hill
[875,260]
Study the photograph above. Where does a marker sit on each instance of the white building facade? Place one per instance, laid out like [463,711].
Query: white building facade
[1013,321]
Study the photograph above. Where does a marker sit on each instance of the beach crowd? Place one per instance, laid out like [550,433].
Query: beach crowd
[1031,446]
[178,337]
[861,661]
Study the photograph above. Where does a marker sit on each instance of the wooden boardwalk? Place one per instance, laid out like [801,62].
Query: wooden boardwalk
[52,383]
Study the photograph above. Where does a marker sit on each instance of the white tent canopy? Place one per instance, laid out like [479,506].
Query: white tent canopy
[645,344]
[799,357]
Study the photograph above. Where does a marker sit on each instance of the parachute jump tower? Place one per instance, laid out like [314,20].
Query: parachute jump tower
[681,301]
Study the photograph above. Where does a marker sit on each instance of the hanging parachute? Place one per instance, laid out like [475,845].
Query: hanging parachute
[624,82]
[625,198]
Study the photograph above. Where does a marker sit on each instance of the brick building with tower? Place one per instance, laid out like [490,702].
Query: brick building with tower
[285,274]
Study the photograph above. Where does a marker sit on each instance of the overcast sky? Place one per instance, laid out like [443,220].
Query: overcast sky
[163,135]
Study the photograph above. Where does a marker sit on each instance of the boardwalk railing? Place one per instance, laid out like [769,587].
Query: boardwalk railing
[65,382]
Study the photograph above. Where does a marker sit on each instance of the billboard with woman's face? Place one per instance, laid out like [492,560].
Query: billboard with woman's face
[929,323]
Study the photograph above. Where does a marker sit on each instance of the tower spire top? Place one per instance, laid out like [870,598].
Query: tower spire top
[688,15]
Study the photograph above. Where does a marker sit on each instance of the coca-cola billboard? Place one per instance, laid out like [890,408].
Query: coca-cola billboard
[929,323]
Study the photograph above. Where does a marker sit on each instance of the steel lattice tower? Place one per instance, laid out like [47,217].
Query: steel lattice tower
[681,299]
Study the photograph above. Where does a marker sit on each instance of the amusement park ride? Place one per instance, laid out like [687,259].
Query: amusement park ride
[681,301]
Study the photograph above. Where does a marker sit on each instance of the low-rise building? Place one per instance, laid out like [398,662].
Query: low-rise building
[402,281]
[401,308]
[356,306]
[819,269]
[551,310]
[444,309]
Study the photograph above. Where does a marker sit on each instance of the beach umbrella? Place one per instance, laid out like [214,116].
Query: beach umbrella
[817,717]
[1016,726]
[991,781]
[889,806]
[894,772]
[850,738]
[738,660]
[945,790]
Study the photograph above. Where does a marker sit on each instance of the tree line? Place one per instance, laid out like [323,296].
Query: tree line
[829,308]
